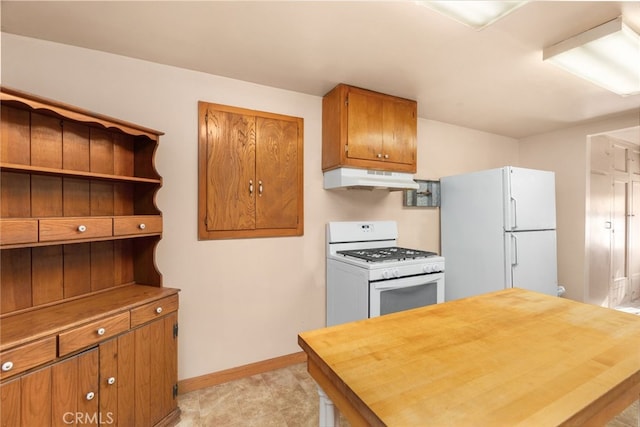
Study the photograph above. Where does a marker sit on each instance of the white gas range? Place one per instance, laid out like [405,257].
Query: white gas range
[368,275]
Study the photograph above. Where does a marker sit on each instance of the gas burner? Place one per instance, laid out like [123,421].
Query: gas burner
[386,254]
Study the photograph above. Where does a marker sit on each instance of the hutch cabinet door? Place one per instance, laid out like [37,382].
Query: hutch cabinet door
[75,394]
[116,380]
[155,370]
[35,399]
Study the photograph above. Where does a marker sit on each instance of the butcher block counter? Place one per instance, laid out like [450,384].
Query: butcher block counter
[507,358]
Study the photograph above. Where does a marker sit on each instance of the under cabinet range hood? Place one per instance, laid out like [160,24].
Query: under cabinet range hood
[353,178]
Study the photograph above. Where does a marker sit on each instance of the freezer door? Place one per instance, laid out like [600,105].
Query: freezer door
[532,261]
[530,199]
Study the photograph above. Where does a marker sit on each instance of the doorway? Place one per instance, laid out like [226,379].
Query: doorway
[613,220]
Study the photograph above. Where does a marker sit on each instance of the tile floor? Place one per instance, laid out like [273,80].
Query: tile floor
[282,398]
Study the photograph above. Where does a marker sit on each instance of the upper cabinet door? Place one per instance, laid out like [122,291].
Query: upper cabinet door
[365,126]
[277,173]
[250,173]
[230,170]
[399,131]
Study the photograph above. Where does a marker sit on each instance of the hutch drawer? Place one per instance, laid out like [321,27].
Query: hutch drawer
[92,333]
[14,231]
[137,224]
[27,356]
[75,228]
[152,310]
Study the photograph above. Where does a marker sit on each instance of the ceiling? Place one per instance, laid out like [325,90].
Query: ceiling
[492,79]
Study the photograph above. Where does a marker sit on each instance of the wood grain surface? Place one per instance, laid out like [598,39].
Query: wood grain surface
[508,358]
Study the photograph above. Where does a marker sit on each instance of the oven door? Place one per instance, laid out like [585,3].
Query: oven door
[390,296]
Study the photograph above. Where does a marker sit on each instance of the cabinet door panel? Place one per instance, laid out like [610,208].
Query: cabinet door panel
[170,354]
[35,399]
[87,384]
[125,381]
[64,379]
[277,173]
[116,381]
[364,126]
[230,164]
[10,403]
[142,375]
[155,370]
[399,136]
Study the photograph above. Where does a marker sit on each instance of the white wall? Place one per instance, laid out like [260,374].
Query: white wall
[242,301]
[566,152]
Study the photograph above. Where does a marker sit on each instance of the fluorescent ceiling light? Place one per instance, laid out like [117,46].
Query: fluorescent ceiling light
[476,14]
[607,55]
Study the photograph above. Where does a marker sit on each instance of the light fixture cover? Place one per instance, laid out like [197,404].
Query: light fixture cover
[476,14]
[607,55]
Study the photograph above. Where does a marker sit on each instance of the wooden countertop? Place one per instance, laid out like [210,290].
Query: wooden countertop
[17,329]
[507,358]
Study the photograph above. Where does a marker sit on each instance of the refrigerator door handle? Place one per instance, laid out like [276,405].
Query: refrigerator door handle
[515,250]
[514,204]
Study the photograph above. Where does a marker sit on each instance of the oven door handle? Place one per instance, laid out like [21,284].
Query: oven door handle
[407,282]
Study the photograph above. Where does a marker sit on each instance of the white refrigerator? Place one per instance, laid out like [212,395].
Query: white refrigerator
[498,230]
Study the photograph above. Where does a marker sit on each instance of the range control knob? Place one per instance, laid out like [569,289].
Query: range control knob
[396,272]
[386,274]
[430,268]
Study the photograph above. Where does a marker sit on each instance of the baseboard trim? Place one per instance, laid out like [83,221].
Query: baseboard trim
[215,378]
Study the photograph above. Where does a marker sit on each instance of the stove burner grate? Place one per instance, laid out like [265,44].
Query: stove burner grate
[386,254]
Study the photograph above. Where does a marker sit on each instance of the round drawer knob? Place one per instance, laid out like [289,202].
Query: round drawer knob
[379,155]
[7,366]
[142,226]
[159,310]
[101,331]
[91,395]
[82,228]
[386,156]
[111,380]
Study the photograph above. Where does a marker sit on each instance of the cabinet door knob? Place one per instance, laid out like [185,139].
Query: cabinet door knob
[101,331]
[260,188]
[82,228]
[159,310]
[386,156]
[7,366]
[379,155]
[142,226]
[111,380]
[90,395]
[250,186]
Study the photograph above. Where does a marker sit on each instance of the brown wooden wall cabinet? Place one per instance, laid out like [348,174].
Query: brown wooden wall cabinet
[370,130]
[88,334]
[250,173]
